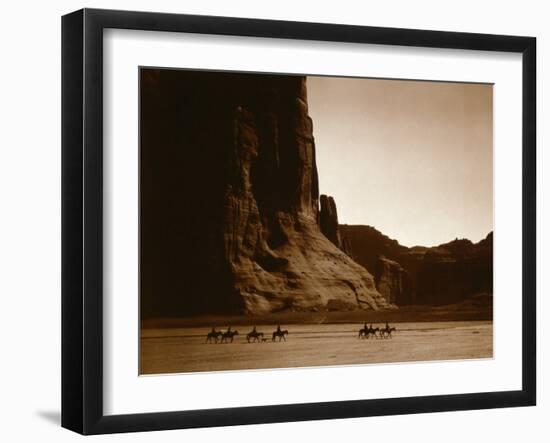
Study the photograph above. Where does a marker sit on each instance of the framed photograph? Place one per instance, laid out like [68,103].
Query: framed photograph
[269,221]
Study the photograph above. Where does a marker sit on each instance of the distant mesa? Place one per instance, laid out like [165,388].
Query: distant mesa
[444,274]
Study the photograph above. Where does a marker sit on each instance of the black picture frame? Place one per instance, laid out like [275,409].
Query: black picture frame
[82,218]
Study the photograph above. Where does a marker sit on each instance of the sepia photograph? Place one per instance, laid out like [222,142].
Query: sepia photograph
[291,221]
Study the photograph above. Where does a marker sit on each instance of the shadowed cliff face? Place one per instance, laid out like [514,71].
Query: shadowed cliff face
[392,280]
[445,274]
[328,221]
[230,200]
[451,271]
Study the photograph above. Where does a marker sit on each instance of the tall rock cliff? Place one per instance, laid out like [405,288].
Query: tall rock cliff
[328,221]
[230,201]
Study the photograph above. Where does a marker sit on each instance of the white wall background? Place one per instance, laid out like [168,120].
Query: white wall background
[30,93]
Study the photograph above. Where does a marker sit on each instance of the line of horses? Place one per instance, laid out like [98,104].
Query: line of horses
[253,336]
[366,331]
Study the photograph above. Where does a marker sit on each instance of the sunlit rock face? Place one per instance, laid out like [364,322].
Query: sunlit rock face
[230,201]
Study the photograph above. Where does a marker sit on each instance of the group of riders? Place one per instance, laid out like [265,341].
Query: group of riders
[215,336]
[253,336]
[366,331]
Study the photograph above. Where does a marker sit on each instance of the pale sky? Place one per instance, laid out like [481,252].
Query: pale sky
[413,159]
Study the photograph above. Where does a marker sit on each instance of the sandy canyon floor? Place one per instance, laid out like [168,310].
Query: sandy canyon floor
[172,350]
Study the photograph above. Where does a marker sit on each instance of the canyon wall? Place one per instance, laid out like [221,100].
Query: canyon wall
[230,218]
[444,274]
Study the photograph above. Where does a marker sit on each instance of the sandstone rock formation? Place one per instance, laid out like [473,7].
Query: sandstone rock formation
[448,273]
[230,202]
[452,271]
[328,221]
[392,280]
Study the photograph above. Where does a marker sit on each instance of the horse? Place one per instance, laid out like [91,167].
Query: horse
[386,332]
[372,331]
[280,334]
[255,336]
[366,331]
[213,335]
[229,336]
